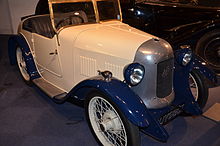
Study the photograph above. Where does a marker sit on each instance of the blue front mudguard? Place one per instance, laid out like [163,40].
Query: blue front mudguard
[183,94]
[127,101]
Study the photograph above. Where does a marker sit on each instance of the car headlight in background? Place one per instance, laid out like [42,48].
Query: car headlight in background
[184,55]
[187,58]
[134,73]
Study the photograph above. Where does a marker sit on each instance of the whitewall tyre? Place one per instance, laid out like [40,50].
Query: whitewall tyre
[109,126]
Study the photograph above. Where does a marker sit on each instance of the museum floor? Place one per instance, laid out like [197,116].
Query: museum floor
[29,118]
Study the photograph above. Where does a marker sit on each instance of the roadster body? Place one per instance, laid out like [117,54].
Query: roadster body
[180,22]
[201,68]
[127,79]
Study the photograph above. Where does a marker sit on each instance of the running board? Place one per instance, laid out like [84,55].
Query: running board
[50,89]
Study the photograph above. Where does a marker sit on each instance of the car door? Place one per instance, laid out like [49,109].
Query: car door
[46,55]
[46,48]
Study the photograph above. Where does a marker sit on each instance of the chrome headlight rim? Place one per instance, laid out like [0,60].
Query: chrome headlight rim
[134,74]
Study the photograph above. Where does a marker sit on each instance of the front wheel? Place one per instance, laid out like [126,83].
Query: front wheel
[198,88]
[108,124]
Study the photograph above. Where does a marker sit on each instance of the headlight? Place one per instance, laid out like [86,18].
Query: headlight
[187,58]
[183,55]
[133,73]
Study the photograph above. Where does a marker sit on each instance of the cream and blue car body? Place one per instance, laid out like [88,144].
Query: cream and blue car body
[71,54]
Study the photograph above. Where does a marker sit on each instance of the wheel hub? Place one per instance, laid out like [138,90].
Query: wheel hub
[106,122]
[110,122]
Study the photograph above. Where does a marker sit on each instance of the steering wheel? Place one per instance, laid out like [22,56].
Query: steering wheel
[69,20]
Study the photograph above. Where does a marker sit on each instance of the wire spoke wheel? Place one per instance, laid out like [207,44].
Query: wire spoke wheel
[106,122]
[193,87]
[22,64]
[198,88]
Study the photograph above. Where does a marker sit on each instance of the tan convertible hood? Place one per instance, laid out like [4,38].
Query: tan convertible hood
[112,38]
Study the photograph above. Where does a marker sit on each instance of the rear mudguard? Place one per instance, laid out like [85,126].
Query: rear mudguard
[127,101]
[200,65]
[13,43]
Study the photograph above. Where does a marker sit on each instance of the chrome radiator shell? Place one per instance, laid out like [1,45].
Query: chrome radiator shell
[150,54]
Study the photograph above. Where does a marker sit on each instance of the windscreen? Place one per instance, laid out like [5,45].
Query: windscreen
[73,13]
[108,10]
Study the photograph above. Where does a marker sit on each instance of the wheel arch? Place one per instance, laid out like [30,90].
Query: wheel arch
[191,34]
[201,66]
[117,91]
[13,43]
[206,27]
[127,101]
[211,29]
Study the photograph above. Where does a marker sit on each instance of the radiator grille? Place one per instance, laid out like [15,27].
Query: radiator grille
[164,78]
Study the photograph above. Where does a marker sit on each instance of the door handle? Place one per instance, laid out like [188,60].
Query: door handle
[53,53]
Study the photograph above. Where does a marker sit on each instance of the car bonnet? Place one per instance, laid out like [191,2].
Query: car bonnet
[112,38]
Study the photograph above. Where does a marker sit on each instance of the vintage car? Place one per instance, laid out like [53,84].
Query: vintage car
[200,91]
[180,22]
[127,80]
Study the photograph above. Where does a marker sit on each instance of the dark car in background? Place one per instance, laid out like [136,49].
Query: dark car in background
[180,22]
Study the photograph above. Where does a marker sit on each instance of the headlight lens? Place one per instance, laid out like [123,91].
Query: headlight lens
[184,55]
[187,58]
[133,74]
